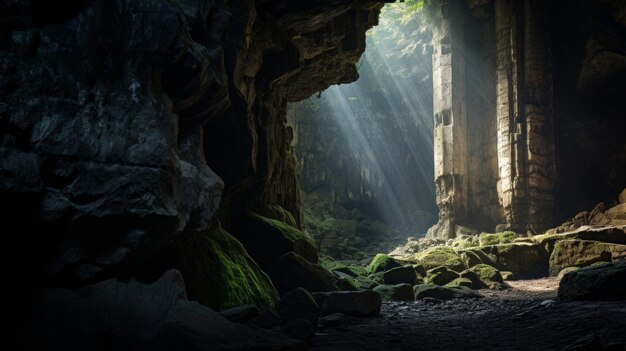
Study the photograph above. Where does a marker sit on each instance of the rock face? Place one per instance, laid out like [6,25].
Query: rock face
[581,253]
[599,282]
[128,129]
[137,316]
[496,148]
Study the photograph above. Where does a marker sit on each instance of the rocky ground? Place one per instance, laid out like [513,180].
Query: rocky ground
[524,317]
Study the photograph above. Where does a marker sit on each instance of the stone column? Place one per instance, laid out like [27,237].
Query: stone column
[450,134]
[511,131]
[538,116]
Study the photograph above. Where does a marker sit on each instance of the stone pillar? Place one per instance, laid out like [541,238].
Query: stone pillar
[538,116]
[525,135]
[510,134]
[450,134]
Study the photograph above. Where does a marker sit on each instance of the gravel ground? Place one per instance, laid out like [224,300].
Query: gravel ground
[523,317]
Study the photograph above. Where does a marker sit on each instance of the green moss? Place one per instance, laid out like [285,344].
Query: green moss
[352,270]
[464,242]
[382,262]
[497,238]
[465,282]
[440,256]
[288,231]
[219,273]
[487,273]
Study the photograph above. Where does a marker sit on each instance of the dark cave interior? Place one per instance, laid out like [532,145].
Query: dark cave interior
[325,175]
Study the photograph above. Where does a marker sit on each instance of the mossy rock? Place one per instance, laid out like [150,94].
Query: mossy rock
[564,271]
[420,270]
[606,281]
[476,282]
[488,275]
[604,234]
[338,266]
[470,258]
[486,239]
[382,262]
[219,273]
[507,275]
[464,282]
[526,261]
[444,293]
[582,253]
[440,256]
[441,276]
[399,292]
[464,242]
[278,213]
[268,239]
[400,275]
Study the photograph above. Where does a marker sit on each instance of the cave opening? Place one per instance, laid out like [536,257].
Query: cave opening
[365,149]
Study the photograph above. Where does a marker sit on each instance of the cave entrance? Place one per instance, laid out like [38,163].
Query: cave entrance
[365,149]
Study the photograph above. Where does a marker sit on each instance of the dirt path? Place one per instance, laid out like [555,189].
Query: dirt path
[524,317]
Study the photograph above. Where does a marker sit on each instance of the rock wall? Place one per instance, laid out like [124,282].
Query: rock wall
[527,99]
[127,127]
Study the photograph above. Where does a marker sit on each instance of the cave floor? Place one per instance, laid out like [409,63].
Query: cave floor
[523,317]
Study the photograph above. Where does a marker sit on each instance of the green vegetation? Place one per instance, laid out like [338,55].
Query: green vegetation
[382,262]
[487,273]
[219,273]
[497,238]
[288,231]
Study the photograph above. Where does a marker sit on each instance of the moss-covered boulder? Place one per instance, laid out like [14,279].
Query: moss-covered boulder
[268,239]
[444,293]
[341,267]
[598,282]
[441,276]
[526,261]
[477,255]
[219,273]
[465,241]
[489,276]
[398,292]
[476,282]
[581,253]
[440,256]
[381,263]
[470,258]
[614,235]
[293,271]
[464,282]
[400,275]
[507,237]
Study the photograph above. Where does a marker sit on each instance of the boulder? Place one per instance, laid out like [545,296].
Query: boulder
[581,253]
[607,234]
[465,241]
[444,293]
[441,276]
[294,271]
[299,312]
[622,197]
[470,259]
[489,276]
[476,282]
[564,271]
[599,282]
[498,238]
[134,315]
[440,256]
[525,260]
[400,275]
[464,282]
[219,273]
[297,304]
[268,320]
[354,303]
[381,263]
[399,292]
[617,214]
